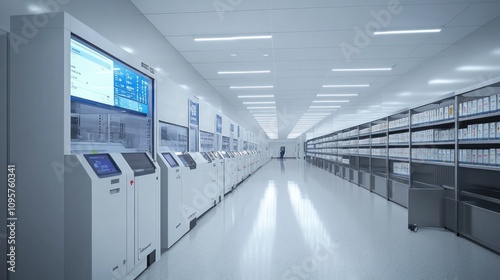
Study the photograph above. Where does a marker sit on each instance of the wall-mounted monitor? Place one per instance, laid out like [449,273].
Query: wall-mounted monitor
[103,165]
[170,159]
[100,79]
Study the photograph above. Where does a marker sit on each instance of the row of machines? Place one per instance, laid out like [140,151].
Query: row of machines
[194,182]
[124,209]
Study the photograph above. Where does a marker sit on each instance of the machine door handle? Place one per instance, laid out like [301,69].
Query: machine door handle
[114,191]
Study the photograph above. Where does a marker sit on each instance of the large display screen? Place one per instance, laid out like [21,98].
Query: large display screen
[103,165]
[170,159]
[99,78]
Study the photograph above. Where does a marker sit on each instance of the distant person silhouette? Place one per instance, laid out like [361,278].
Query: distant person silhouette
[282,152]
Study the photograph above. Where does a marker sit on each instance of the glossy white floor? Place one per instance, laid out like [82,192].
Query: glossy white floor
[293,221]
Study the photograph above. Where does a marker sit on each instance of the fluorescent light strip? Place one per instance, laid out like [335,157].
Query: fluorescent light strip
[337,95]
[260,108]
[360,69]
[233,38]
[324,107]
[260,102]
[243,72]
[255,96]
[390,32]
[249,87]
[313,114]
[344,86]
[444,81]
[330,101]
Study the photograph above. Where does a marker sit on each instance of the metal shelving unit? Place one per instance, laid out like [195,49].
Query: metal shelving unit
[452,164]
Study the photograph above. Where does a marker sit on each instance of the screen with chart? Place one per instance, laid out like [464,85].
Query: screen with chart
[99,78]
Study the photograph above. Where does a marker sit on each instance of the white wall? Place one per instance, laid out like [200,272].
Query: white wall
[207,117]
[290,148]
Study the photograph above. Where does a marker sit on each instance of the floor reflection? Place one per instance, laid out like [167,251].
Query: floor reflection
[312,226]
[256,256]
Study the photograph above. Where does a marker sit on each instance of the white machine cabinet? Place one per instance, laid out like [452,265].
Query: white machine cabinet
[96,222]
[143,210]
[173,226]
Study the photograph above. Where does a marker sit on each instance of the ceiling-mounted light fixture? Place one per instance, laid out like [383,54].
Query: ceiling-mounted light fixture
[416,31]
[360,69]
[233,38]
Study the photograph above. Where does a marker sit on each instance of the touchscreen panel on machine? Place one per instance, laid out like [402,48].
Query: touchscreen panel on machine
[187,160]
[170,159]
[205,156]
[140,163]
[103,165]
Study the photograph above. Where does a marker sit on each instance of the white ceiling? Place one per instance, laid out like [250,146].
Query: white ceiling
[306,45]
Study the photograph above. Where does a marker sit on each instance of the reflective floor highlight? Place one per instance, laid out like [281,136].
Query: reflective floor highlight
[290,220]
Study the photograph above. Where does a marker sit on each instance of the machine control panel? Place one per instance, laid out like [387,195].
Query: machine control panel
[171,160]
[103,165]
[187,160]
[140,163]
[206,157]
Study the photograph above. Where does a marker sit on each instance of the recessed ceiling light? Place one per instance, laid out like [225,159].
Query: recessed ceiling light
[405,94]
[250,87]
[478,68]
[330,101]
[360,69]
[184,86]
[127,49]
[243,72]
[390,32]
[233,38]
[260,108]
[393,103]
[445,81]
[317,114]
[260,102]
[337,95]
[233,55]
[265,54]
[324,107]
[255,96]
[36,9]
[344,86]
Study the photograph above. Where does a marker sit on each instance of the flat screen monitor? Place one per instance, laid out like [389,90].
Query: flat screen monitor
[103,165]
[170,159]
[100,79]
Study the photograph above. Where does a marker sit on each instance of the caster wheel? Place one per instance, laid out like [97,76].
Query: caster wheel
[413,227]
